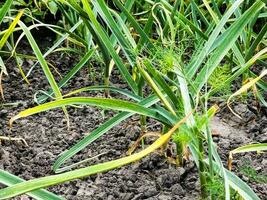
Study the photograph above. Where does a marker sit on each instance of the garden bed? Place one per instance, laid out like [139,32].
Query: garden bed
[151,178]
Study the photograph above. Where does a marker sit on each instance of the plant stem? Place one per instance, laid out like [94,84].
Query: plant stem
[203,181]
[179,152]
[106,83]
[142,117]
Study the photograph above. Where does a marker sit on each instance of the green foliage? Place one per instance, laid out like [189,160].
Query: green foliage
[182,135]
[181,138]
[218,78]
[216,189]
[37,7]
[250,172]
[165,60]
[165,55]
[174,48]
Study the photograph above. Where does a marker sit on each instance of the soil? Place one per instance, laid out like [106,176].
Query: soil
[151,178]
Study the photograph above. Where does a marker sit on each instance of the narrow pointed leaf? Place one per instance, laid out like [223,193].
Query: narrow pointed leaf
[114,104]
[10,179]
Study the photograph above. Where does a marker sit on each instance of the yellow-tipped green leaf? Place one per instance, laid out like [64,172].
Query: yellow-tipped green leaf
[10,29]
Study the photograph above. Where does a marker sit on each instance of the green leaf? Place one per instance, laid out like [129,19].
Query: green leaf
[160,80]
[101,88]
[155,88]
[250,147]
[69,75]
[10,29]
[9,180]
[113,104]
[42,61]
[4,9]
[254,45]
[241,187]
[52,6]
